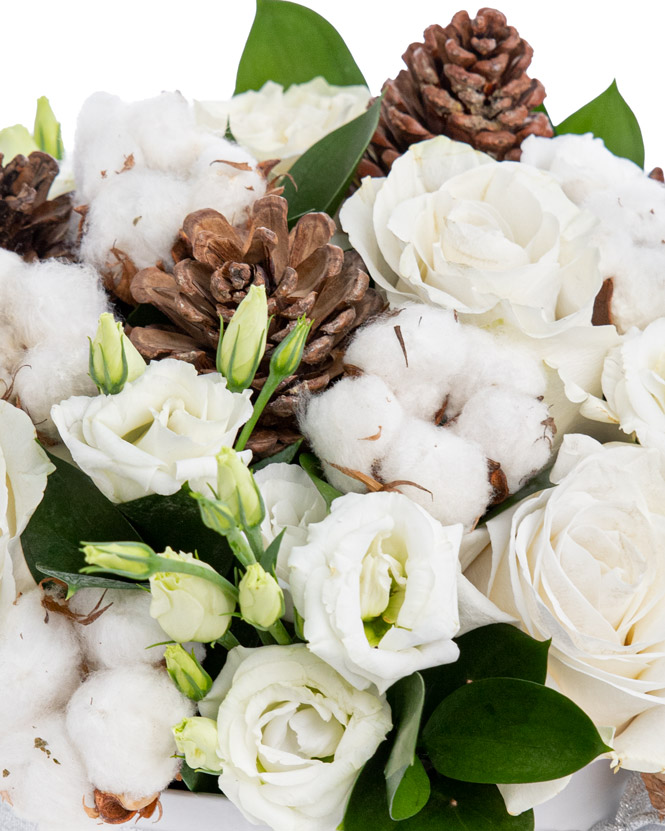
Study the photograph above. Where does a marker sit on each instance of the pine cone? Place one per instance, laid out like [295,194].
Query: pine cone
[303,274]
[467,81]
[31,225]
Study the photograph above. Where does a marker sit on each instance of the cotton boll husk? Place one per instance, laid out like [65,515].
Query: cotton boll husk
[511,428]
[41,662]
[47,788]
[423,373]
[120,722]
[453,471]
[352,424]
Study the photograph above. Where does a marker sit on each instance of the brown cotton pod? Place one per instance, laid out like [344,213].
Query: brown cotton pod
[468,81]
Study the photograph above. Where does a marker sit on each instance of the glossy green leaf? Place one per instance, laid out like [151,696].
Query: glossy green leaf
[175,521]
[412,792]
[609,117]
[269,558]
[406,699]
[291,44]
[452,806]
[198,781]
[496,651]
[287,455]
[320,178]
[511,731]
[77,581]
[312,467]
[73,509]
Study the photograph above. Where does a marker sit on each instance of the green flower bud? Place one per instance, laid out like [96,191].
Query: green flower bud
[47,129]
[286,358]
[16,141]
[186,672]
[241,347]
[237,490]
[114,359]
[215,514]
[196,739]
[260,597]
[128,559]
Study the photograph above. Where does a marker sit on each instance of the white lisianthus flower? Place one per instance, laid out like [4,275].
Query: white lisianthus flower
[274,123]
[379,586]
[293,735]
[162,430]
[23,470]
[633,382]
[582,563]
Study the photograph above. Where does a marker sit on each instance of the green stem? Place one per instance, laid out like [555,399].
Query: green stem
[255,541]
[241,547]
[279,633]
[264,396]
[228,640]
[168,565]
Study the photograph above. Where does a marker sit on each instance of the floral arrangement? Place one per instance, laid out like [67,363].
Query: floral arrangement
[342,490]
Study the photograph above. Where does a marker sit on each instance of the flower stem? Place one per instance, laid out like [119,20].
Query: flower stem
[279,633]
[168,565]
[264,396]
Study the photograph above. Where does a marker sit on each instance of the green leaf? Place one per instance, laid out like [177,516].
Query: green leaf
[286,455]
[312,467]
[175,521]
[511,731]
[144,315]
[406,699]
[198,781]
[73,509]
[77,581]
[496,651]
[321,177]
[610,118]
[269,558]
[412,792]
[539,482]
[452,806]
[291,44]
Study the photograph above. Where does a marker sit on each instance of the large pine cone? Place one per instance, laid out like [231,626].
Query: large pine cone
[303,273]
[467,81]
[30,224]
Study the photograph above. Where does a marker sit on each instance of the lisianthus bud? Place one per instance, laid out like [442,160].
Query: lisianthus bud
[237,489]
[186,672]
[196,738]
[47,129]
[128,559]
[215,514]
[242,346]
[114,359]
[260,597]
[286,358]
[16,141]
[190,608]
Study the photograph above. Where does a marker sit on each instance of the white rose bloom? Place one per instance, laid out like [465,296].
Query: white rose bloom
[274,123]
[162,430]
[582,563]
[380,588]
[23,470]
[293,735]
[633,382]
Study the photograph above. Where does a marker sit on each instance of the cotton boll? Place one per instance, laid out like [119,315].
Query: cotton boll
[165,132]
[352,424]
[40,658]
[46,780]
[120,722]
[512,428]
[418,353]
[451,472]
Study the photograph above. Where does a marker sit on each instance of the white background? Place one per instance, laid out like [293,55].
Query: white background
[67,49]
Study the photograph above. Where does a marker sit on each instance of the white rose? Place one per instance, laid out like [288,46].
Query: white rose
[162,430]
[23,470]
[582,563]
[293,735]
[274,123]
[378,584]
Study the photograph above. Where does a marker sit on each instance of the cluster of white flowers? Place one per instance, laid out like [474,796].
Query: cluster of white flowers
[436,402]
[141,176]
[630,208]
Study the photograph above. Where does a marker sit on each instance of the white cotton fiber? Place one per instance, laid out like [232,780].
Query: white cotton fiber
[120,722]
[40,659]
[352,424]
[451,472]
[512,429]
[46,780]
[418,352]
[121,635]
[47,312]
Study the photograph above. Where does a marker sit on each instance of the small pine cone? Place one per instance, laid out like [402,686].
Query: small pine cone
[303,274]
[467,81]
[30,224]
